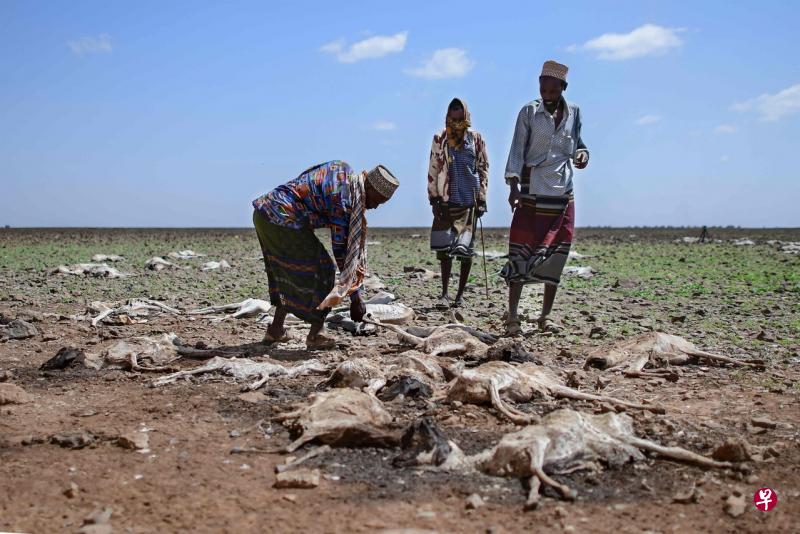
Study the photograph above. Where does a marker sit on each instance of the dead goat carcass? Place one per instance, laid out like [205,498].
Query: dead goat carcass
[450,339]
[97,270]
[341,417]
[130,312]
[657,350]
[358,373]
[131,354]
[245,369]
[490,382]
[158,263]
[245,308]
[185,255]
[564,441]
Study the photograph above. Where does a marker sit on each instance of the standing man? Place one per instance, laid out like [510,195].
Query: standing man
[458,175]
[547,141]
[302,277]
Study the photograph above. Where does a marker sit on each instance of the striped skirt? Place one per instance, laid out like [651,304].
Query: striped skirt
[540,239]
[300,271]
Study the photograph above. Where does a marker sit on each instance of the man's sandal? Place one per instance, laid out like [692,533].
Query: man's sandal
[320,342]
[513,328]
[548,325]
[284,337]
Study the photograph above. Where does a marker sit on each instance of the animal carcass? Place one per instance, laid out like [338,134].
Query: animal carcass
[654,349]
[490,382]
[341,417]
[245,368]
[564,441]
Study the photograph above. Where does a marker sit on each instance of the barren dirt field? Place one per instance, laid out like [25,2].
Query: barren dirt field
[94,434]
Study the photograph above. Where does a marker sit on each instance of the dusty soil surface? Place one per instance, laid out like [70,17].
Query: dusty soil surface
[739,300]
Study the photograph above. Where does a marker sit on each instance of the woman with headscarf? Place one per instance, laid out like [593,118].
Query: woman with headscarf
[301,274]
[547,143]
[458,175]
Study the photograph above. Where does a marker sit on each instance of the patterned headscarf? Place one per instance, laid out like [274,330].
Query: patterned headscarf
[355,263]
[456,130]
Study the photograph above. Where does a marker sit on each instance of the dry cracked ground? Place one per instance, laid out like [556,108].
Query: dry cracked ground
[100,450]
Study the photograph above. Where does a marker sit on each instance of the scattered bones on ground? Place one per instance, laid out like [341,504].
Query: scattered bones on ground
[99,270]
[245,368]
[564,441]
[131,310]
[654,349]
[340,417]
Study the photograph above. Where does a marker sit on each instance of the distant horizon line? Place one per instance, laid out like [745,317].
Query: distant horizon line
[594,227]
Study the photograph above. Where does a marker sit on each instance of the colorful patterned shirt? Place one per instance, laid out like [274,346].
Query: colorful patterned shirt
[318,198]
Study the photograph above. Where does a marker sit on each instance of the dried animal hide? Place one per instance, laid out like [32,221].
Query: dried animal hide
[341,417]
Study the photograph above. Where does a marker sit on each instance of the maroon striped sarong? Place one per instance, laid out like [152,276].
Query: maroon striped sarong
[540,239]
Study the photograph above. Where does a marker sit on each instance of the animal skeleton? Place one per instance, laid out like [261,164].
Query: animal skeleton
[342,416]
[658,350]
[245,368]
[486,383]
[563,442]
[246,308]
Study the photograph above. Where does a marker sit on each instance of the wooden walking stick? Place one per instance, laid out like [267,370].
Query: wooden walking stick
[483,250]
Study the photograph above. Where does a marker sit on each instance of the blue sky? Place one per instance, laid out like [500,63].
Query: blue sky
[179,113]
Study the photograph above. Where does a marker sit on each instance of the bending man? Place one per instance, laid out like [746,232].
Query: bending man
[301,274]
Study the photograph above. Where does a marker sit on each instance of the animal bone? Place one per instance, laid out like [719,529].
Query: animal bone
[358,373]
[245,368]
[564,441]
[215,265]
[128,354]
[159,264]
[486,383]
[99,270]
[388,313]
[341,417]
[185,255]
[657,349]
[246,308]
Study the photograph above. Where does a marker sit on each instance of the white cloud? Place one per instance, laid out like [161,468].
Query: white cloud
[91,45]
[724,159]
[370,48]
[384,126]
[773,107]
[725,129]
[444,63]
[644,120]
[646,40]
